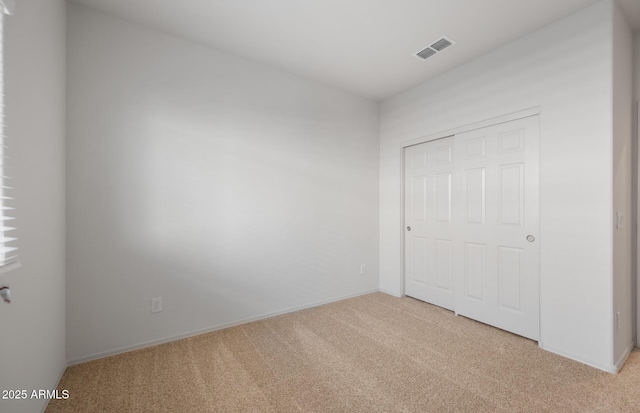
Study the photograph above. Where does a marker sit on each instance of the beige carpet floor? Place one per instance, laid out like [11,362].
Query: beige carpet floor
[373,353]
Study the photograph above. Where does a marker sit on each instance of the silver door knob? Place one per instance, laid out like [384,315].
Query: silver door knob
[408,228]
[531,238]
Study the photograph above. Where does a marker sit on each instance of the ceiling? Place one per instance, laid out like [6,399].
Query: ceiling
[361,46]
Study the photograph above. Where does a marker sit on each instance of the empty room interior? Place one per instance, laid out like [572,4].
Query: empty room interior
[327,206]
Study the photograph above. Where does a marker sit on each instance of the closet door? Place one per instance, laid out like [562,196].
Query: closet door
[471,225]
[496,214]
[428,222]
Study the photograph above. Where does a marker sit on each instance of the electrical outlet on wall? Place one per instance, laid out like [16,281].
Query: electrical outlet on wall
[363,269]
[156,305]
[618,320]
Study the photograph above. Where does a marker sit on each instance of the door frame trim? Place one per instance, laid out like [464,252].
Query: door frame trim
[525,113]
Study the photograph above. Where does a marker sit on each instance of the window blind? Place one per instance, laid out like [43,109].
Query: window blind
[8,250]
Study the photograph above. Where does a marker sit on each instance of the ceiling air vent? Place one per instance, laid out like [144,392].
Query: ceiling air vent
[426,53]
[436,47]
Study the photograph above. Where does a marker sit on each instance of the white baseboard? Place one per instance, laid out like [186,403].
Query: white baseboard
[382,290]
[609,368]
[192,333]
[623,357]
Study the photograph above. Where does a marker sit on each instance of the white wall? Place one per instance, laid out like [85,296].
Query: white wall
[566,70]
[230,189]
[636,81]
[32,339]
[636,66]
[623,189]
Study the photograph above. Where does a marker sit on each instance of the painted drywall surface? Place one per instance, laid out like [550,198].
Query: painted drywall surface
[550,69]
[636,66]
[230,189]
[623,190]
[32,339]
[636,82]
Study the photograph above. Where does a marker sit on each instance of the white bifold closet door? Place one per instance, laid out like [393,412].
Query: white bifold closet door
[471,217]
